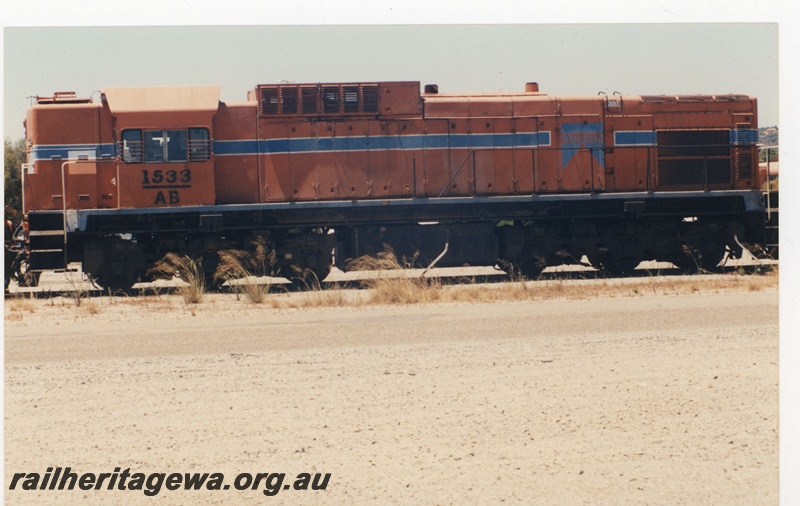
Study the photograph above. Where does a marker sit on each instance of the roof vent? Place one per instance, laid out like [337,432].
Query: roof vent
[531,87]
[432,88]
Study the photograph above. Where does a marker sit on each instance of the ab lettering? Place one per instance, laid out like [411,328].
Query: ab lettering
[172,196]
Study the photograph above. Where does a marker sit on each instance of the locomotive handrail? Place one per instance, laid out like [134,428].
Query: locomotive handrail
[64,207]
[64,193]
[768,149]
[767,203]
[594,187]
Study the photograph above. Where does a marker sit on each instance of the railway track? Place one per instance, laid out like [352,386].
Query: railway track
[73,280]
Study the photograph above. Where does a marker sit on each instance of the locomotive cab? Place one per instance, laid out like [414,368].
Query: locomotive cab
[164,140]
[134,148]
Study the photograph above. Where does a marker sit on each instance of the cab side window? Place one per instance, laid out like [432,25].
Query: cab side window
[159,146]
[132,146]
[154,142]
[175,145]
[199,145]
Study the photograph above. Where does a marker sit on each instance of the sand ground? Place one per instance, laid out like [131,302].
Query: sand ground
[631,400]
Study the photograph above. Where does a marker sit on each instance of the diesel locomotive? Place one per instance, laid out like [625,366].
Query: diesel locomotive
[327,172]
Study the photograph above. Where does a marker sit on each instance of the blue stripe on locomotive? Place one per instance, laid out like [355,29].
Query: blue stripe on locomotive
[743,137]
[71,151]
[381,142]
[738,137]
[635,138]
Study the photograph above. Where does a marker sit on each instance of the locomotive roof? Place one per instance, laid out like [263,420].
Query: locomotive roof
[162,98]
[206,98]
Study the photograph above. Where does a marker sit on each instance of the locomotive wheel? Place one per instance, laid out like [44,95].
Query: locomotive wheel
[116,282]
[614,266]
[322,272]
[687,260]
[114,264]
[209,264]
[710,262]
[530,269]
[694,261]
[305,278]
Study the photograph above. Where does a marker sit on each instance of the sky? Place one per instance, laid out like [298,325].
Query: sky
[565,59]
[569,47]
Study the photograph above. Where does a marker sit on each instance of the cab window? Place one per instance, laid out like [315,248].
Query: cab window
[159,146]
[154,143]
[132,146]
[199,145]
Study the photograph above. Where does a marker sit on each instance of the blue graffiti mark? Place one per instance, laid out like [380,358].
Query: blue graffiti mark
[576,136]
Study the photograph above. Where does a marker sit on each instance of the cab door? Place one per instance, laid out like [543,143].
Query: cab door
[527,142]
[629,161]
[582,150]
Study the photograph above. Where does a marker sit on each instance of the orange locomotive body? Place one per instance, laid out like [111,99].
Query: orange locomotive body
[523,179]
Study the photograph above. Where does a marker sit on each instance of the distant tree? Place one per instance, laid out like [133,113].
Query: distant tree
[768,136]
[14,157]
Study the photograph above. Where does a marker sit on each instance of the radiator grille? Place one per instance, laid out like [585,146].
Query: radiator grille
[310,99]
[744,165]
[351,99]
[696,98]
[268,101]
[658,98]
[693,157]
[289,100]
[370,98]
[330,99]
[318,99]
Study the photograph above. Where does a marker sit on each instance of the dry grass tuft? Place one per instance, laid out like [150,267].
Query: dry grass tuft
[185,269]
[332,297]
[78,293]
[388,287]
[91,307]
[246,267]
[386,260]
[403,290]
[304,278]
[18,305]
[409,291]
[394,287]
